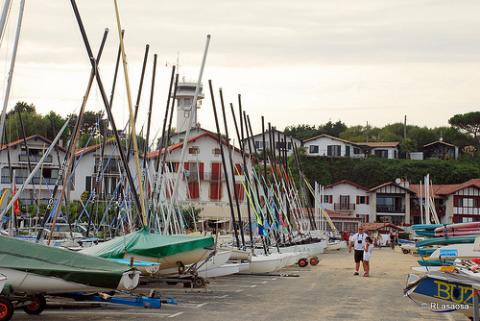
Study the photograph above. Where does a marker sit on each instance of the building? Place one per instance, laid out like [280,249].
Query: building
[346,198]
[440,150]
[203,183]
[390,202]
[186,115]
[279,138]
[327,145]
[44,181]
[454,203]
[88,164]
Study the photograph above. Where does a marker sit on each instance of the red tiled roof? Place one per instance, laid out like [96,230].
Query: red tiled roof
[176,146]
[379,226]
[36,136]
[447,189]
[346,181]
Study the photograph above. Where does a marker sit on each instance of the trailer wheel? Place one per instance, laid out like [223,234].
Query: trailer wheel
[302,263]
[198,283]
[405,251]
[314,261]
[36,306]
[6,309]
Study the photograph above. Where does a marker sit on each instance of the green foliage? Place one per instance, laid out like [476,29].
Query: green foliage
[307,131]
[468,122]
[373,171]
[188,214]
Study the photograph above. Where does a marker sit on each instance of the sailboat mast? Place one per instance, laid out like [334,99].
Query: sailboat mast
[12,67]
[131,120]
[224,164]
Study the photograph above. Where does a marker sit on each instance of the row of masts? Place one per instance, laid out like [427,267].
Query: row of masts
[280,205]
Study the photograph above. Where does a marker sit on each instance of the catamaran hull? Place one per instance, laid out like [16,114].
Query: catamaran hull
[336,245]
[269,263]
[29,283]
[219,259]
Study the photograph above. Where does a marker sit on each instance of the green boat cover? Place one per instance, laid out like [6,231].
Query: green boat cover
[446,240]
[59,263]
[152,245]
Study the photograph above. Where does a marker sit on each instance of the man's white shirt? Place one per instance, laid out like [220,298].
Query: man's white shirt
[358,241]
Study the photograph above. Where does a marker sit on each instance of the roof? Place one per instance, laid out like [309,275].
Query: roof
[380,226]
[346,181]
[192,129]
[380,144]
[92,148]
[448,189]
[391,183]
[275,131]
[331,137]
[32,137]
[438,142]
[176,146]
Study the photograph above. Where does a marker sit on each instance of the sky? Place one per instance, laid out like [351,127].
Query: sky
[294,62]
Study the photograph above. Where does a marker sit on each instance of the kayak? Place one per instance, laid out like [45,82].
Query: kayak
[446,240]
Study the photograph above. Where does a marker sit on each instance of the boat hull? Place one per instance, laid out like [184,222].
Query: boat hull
[30,283]
[219,271]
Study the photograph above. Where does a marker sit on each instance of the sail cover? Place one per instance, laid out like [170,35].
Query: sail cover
[148,244]
[59,263]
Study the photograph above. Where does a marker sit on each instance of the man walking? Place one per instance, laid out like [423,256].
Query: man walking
[357,241]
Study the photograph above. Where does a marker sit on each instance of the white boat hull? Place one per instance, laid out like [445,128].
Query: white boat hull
[269,263]
[336,245]
[172,261]
[219,271]
[30,283]
[462,250]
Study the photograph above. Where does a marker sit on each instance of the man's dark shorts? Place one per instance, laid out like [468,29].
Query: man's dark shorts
[358,256]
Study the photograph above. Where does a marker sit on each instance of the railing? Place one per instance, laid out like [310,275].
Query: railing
[344,206]
[35,180]
[390,209]
[34,158]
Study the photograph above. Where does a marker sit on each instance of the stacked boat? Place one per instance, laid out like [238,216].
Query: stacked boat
[451,268]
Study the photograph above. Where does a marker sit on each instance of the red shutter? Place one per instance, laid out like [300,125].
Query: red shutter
[456,201]
[215,190]
[201,170]
[186,166]
[367,200]
[175,166]
[357,201]
[193,190]
[240,192]
[216,171]
[330,199]
[238,169]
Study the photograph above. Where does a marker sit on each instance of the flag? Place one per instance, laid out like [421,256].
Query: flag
[16,205]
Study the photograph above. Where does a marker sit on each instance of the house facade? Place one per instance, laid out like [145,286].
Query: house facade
[279,138]
[330,146]
[440,150]
[15,154]
[203,183]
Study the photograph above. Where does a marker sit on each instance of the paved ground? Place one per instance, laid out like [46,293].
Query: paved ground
[328,291]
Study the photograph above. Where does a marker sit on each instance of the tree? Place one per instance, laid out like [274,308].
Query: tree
[468,122]
[23,107]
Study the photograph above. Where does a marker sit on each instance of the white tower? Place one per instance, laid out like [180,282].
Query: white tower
[185,95]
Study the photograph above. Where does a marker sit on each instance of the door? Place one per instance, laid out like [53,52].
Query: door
[344,202]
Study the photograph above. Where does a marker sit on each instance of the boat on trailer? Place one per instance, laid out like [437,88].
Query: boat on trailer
[171,251]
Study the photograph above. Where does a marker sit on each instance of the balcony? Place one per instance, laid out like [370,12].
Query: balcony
[23,158]
[344,207]
[35,180]
[390,209]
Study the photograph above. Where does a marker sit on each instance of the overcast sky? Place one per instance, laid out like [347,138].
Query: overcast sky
[303,61]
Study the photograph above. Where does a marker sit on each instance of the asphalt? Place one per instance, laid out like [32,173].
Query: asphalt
[328,291]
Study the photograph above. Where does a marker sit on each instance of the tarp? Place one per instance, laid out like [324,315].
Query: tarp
[59,263]
[153,245]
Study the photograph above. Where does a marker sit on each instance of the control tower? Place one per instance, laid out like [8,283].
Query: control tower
[185,112]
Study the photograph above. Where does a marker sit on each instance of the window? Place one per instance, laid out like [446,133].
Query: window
[258,144]
[216,152]
[194,150]
[88,183]
[313,149]
[383,153]
[356,150]
[172,166]
[334,150]
[347,151]
[467,202]
[363,200]
[328,199]
[280,145]
[289,146]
